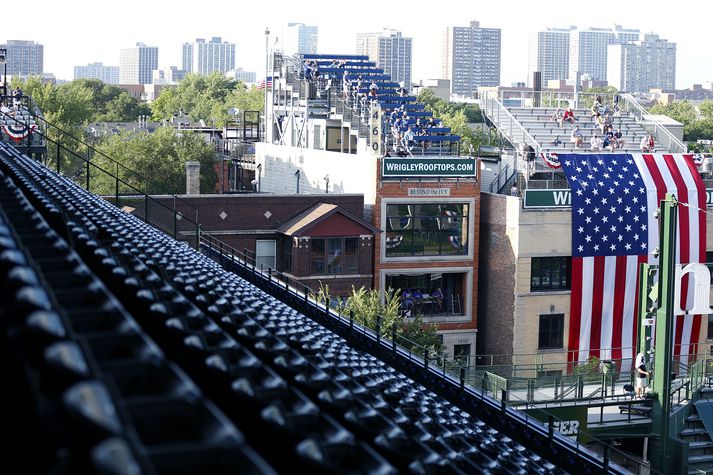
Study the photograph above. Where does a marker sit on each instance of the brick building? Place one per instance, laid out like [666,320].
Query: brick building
[310,238]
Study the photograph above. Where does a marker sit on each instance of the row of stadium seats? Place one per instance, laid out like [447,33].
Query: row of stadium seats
[304,398]
[94,393]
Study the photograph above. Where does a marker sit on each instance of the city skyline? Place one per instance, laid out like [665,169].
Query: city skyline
[100,40]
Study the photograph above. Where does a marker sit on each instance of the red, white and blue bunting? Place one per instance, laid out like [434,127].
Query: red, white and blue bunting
[551,159]
[698,159]
[18,132]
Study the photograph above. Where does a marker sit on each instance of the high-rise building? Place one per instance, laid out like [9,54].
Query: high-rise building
[390,51]
[588,50]
[106,74]
[24,57]
[203,57]
[471,57]
[642,65]
[136,64]
[549,54]
[242,75]
[299,38]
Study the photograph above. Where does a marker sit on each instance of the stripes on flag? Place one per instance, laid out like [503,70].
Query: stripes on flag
[261,84]
[614,229]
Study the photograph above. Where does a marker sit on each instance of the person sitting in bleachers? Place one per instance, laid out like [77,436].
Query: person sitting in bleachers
[607,144]
[307,68]
[557,142]
[609,138]
[402,91]
[596,143]
[576,137]
[644,144]
[619,137]
[557,116]
[408,138]
[568,116]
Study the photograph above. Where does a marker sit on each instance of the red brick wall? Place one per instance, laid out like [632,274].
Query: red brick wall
[464,189]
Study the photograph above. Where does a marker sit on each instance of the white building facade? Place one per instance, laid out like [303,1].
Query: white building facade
[136,65]
[471,57]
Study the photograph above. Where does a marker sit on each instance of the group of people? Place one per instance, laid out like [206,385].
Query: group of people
[413,300]
[647,144]
[562,117]
[609,140]
[9,104]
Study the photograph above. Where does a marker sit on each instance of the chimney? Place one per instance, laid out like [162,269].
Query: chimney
[193,178]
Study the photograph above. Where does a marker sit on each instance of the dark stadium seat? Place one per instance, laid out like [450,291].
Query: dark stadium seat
[203,367]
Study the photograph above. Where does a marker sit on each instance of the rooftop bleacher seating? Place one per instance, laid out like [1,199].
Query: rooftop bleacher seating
[359,101]
[139,352]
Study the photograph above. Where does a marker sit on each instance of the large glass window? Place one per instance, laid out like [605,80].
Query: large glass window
[334,256]
[551,331]
[426,229]
[550,273]
[265,253]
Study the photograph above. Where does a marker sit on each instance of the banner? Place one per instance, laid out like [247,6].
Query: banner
[397,167]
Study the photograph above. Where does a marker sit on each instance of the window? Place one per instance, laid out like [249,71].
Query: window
[551,331]
[334,256]
[461,354]
[265,253]
[550,273]
[426,229]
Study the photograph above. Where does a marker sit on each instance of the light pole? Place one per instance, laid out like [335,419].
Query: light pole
[267,66]
[326,186]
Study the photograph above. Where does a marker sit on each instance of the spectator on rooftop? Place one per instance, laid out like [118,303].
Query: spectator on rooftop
[402,91]
[568,116]
[596,143]
[408,138]
[557,116]
[528,152]
[557,142]
[619,137]
[576,137]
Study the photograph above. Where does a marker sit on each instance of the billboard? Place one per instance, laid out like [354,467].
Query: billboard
[434,167]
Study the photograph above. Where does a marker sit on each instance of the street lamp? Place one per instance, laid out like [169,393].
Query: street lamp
[297,174]
[326,186]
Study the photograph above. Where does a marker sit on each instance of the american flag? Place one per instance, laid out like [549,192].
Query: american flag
[262,82]
[614,229]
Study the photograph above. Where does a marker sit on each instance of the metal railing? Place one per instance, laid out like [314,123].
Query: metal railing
[508,125]
[663,136]
[118,184]
[451,374]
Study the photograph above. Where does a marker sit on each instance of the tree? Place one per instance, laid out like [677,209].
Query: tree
[161,156]
[367,304]
[206,97]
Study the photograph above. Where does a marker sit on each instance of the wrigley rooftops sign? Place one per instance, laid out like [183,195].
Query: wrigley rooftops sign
[534,199]
[444,167]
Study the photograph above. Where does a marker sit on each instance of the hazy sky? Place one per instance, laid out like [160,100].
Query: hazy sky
[78,32]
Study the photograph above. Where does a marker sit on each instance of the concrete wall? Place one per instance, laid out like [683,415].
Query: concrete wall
[348,173]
